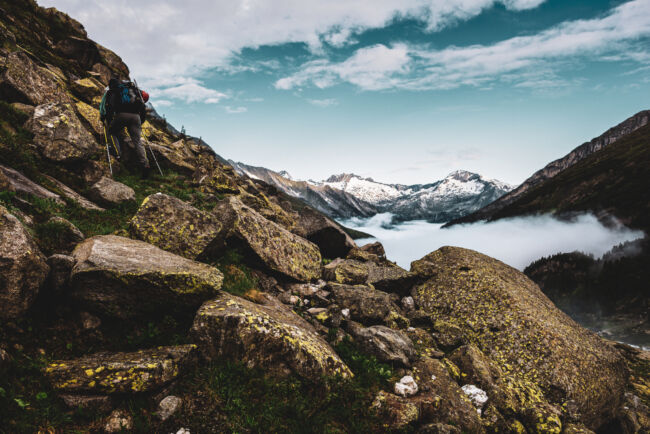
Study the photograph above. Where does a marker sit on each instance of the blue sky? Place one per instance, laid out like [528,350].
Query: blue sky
[403,91]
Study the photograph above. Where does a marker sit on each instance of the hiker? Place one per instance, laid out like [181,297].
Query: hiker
[123,106]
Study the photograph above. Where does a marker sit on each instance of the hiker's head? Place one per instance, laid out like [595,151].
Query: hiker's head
[113,83]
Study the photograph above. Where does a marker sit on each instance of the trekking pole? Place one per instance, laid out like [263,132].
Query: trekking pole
[154,156]
[108,152]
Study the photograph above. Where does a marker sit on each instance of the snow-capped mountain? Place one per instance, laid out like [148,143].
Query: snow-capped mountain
[348,195]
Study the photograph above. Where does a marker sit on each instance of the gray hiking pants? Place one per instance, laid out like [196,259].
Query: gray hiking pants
[132,123]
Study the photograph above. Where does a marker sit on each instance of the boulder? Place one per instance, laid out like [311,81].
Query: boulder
[23,268]
[73,195]
[213,177]
[22,80]
[121,277]
[67,235]
[270,336]
[118,421]
[114,62]
[174,225]
[387,345]
[436,385]
[90,115]
[375,248]
[109,192]
[82,50]
[546,358]
[381,273]
[116,373]
[86,88]
[176,156]
[265,243]
[5,183]
[396,413]
[59,135]
[366,305]
[332,241]
[21,184]
[346,272]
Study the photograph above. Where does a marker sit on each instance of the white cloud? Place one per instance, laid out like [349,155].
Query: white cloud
[327,102]
[184,39]
[526,60]
[235,110]
[163,103]
[190,91]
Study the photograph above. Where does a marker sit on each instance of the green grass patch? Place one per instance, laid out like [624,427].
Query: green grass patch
[237,277]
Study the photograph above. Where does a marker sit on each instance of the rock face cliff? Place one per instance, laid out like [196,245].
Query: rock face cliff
[527,191]
[204,301]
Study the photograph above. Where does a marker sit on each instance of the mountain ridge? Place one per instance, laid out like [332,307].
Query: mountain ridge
[347,195]
[558,166]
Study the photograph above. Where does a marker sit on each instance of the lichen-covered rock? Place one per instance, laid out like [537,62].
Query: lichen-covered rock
[174,225]
[367,305]
[382,274]
[109,373]
[270,336]
[109,192]
[386,344]
[22,80]
[68,235]
[22,267]
[122,277]
[395,412]
[375,248]
[59,135]
[266,243]
[346,272]
[118,421]
[21,184]
[91,115]
[332,241]
[214,177]
[5,183]
[176,156]
[452,405]
[82,50]
[545,357]
[86,88]
[73,195]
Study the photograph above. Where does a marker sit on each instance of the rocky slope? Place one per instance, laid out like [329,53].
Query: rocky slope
[349,195]
[200,301]
[543,182]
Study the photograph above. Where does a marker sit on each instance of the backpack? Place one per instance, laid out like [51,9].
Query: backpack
[126,98]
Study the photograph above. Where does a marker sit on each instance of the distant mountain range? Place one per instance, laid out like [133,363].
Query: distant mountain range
[349,195]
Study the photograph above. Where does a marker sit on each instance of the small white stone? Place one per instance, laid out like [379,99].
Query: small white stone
[477,396]
[410,329]
[118,420]
[183,431]
[169,406]
[406,386]
[408,303]
[345,313]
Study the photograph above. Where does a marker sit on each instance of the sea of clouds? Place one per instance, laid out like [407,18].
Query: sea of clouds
[516,241]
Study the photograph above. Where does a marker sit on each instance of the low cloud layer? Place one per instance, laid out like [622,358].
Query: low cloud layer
[517,241]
